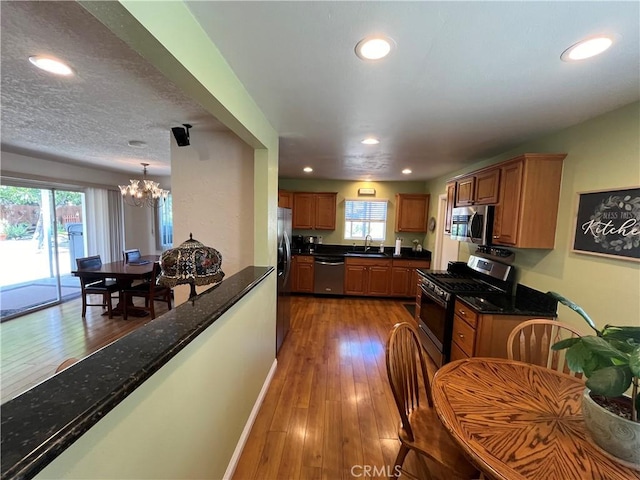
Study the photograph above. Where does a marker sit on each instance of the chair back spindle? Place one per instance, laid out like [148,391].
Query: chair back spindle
[531,342]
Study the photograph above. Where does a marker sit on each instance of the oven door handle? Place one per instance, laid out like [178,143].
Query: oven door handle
[433,298]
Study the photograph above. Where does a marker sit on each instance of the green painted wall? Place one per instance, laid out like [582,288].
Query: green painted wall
[349,189]
[602,153]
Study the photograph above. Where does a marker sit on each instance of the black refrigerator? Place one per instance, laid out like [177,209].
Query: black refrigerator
[283,308]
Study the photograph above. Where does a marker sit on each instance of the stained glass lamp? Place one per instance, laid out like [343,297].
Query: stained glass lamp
[190,263]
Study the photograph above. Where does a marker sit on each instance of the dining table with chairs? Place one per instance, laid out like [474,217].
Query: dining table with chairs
[517,420]
[121,274]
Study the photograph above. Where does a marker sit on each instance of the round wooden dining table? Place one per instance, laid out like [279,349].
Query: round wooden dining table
[520,421]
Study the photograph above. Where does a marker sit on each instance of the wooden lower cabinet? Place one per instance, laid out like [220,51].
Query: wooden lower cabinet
[367,276]
[476,335]
[302,273]
[404,277]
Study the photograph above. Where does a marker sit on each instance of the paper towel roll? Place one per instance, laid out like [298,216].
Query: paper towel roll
[398,245]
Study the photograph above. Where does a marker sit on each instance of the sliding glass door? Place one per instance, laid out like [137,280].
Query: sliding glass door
[41,234]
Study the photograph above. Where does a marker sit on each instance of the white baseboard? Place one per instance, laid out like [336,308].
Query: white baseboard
[231,468]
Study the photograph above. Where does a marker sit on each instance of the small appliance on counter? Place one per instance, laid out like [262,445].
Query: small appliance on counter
[309,244]
[297,243]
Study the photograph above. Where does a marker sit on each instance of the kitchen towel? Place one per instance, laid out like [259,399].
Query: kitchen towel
[398,245]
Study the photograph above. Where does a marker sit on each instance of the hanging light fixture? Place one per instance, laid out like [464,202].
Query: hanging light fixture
[145,194]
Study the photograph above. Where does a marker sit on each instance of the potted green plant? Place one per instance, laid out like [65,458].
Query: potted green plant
[610,360]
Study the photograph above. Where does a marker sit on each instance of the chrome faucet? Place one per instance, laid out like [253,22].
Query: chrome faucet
[367,247]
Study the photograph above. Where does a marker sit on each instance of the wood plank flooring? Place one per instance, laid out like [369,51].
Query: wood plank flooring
[329,412]
[32,346]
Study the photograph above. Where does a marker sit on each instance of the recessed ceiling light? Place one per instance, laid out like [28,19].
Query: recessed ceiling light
[406,171]
[307,169]
[587,48]
[137,144]
[370,141]
[51,65]
[373,48]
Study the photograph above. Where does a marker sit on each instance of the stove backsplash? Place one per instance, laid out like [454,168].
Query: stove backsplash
[527,298]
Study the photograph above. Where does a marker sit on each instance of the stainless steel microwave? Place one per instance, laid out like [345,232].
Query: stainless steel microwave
[472,224]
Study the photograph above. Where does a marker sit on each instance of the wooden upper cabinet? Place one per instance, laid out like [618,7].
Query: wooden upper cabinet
[314,211]
[464,191]
[487,187]
[303,211]
[285,199]
[325,211]
[527,210]
[411,212]
[480,188]
[451,198]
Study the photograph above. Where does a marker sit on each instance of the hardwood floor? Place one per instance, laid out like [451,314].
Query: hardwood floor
[329,412]
[32,346]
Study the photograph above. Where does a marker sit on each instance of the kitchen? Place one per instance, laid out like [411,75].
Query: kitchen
[323,264]
[592,148]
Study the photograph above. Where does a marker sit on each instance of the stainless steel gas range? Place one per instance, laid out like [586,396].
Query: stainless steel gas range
[438,290]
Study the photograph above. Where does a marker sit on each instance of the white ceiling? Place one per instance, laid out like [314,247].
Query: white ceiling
[466,81]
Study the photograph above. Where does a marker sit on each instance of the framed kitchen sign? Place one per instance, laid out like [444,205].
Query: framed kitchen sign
[608,223]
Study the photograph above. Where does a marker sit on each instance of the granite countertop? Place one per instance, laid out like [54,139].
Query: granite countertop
[40,424]
[526,301]
[406,253]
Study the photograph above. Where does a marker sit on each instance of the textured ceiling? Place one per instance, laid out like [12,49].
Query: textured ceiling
[115,97]
[466,81]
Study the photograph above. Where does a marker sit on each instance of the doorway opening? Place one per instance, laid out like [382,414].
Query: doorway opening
[41,235]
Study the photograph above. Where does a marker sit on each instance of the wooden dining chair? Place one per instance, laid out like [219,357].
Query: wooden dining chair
[95,285]
[420,429]
[131,255]
[150,291]
[531,342]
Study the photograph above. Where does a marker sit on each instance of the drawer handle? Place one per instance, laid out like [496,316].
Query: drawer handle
[461,335]
[462,312]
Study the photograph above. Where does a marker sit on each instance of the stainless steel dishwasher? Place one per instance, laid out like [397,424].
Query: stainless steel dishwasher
[328,275]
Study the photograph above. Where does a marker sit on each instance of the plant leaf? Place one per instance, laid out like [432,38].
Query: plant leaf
[581,359]
[566,343]
[634,362]
[622,333]
[602,348]
[610,381]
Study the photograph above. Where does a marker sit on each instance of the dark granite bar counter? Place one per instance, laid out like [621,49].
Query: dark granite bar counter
[40,424]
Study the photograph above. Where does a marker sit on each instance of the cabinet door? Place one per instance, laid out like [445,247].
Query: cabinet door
[355,280]
[507,213]
[401,282]
[411,212]
[487,187]
[451,198]
[378,281]
[457,353]
[305,277]
[325,211]
[465,191]
[303,211]
[285,199]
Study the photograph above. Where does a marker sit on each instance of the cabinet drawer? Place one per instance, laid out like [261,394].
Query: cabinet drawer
[464,335]
[466,313]
[457,353]
[304,259]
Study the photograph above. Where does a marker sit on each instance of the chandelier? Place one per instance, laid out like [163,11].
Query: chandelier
[145,194]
